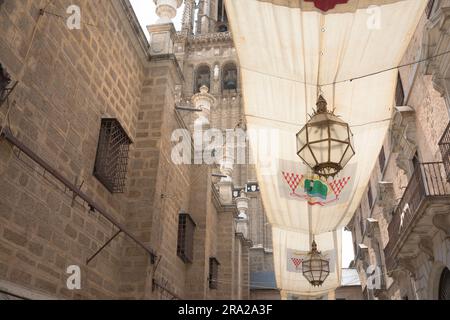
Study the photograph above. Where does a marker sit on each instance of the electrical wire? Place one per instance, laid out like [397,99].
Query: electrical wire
[356,280]
[318,85]
[30,45]
[299,125]
[57,15]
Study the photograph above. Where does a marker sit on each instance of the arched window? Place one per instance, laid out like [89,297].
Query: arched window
[444,285]
[230,77]
[222,27]
[202,78]
[222,19]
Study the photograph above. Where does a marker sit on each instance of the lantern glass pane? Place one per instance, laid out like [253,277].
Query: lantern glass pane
[339,131]
[320,150]
[337,150]
[348,155]
[301,139]
[317,133]
[316,274]
[307,156]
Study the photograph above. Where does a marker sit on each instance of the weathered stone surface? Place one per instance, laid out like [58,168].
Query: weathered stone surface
[74,78]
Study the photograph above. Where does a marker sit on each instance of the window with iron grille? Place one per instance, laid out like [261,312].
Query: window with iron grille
[112,156]
[213,273]
[399,92]
[382,159]
[444,145]
[185,246]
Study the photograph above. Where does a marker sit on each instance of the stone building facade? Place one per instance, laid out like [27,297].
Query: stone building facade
[401,230]
[88,185]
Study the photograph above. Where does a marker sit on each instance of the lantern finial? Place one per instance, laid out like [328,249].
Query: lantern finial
[314,247]
[321,105]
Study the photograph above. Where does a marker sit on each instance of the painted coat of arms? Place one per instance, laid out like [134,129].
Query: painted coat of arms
[326,5]
[313,189]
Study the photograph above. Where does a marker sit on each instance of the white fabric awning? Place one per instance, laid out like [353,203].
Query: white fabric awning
[286,49]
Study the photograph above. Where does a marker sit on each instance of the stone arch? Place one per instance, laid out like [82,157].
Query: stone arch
[444,285]
[230,76]
[222,18]
[202,77]
[434,279]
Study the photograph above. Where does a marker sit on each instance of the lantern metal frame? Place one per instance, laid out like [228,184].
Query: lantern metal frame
[315,266]
[330,127]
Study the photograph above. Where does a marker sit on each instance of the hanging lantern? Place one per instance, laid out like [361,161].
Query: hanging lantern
[315,269]
[325,143]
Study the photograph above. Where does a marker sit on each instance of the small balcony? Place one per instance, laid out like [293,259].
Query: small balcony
[444,145]
[426,187]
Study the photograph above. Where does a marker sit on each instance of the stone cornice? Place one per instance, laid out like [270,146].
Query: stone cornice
[207,38]
[139,39]
[169,57]
[245,242]
[221,208]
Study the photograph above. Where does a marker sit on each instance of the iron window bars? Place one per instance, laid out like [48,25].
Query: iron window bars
[213,273]
[444,145]
[427,182]
[112,155]
[185,246]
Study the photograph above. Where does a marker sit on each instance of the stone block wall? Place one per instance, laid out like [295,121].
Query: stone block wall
[69,81]
[427,120]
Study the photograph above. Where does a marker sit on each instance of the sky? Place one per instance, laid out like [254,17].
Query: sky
[145,11]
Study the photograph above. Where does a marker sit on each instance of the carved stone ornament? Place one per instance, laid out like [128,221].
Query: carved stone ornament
[404,137]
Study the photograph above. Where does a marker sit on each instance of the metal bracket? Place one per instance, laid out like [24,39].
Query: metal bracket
[103,247]
[8,136]
[163,287]
[74,193]
[8,92]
